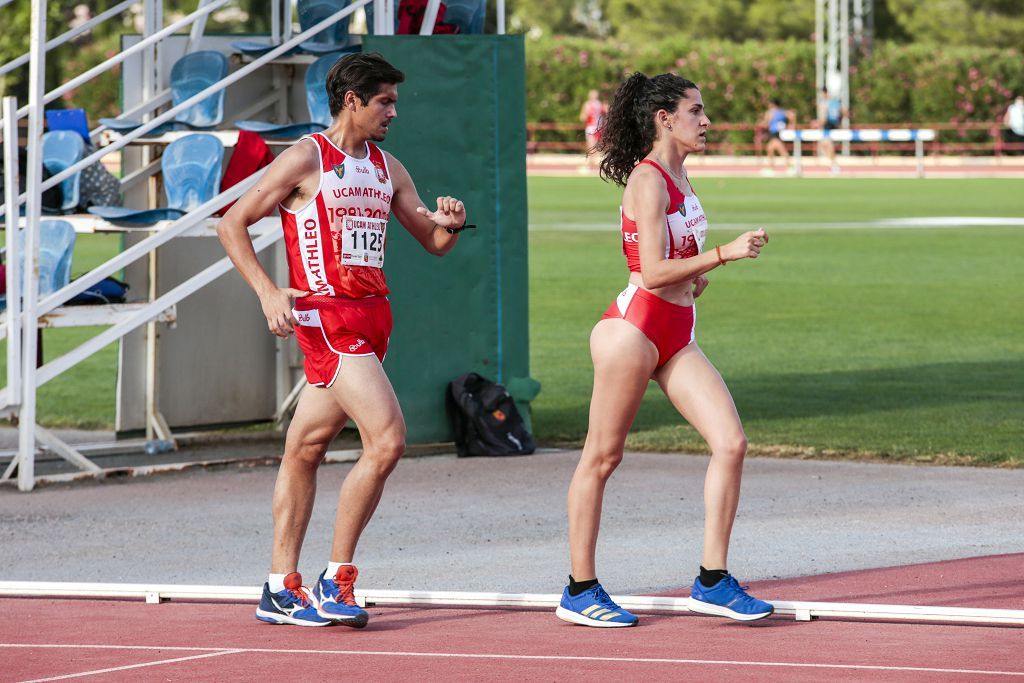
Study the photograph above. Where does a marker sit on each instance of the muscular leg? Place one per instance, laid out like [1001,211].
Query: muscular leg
[364,392]
[698,392]
[318,419]
[623,362]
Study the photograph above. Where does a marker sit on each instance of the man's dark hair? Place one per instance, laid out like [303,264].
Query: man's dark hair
[363,74]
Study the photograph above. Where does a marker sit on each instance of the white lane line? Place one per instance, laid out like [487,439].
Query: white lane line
[557,658]
[96,672]
[919,222]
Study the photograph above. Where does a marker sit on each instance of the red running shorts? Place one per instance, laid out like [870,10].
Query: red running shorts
[332,327]
[670,327]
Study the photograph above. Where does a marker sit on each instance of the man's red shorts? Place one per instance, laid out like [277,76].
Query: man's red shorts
[330,328]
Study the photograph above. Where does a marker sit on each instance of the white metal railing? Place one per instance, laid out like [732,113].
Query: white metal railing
[25,308]
[70,35]
[198,97]
[109,64]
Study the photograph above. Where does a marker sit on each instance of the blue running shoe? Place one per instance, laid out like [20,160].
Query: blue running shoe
[293,605]
[593,607]
[335,600]
[727,598]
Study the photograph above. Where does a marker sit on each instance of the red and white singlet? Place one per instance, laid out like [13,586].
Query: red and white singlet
[335,243]
[686,226]
[668,326]
[335,247]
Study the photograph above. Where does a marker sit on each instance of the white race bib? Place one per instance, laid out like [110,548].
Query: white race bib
[362,241]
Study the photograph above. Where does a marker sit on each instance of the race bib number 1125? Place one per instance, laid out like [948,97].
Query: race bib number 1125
[362,241]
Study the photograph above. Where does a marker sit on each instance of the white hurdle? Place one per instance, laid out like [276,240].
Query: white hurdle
[918,136]
[800,611]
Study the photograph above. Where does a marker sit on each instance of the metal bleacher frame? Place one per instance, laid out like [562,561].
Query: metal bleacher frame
[26,312]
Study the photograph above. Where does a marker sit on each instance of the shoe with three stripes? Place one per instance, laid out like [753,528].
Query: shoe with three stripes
[593,607]
[727,598]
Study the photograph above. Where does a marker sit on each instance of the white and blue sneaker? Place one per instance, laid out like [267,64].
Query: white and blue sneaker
[293,605]
[335,599]
[593,607]
[727,598]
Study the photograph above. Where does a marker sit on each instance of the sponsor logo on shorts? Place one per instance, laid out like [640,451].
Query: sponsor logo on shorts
[630,237]
[307,318]
[359,344]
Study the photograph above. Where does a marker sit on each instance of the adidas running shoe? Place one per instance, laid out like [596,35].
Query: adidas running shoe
[335,600]
[727,598]
[593,607]
[293,605]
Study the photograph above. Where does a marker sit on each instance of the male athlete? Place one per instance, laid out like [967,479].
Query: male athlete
[335,191]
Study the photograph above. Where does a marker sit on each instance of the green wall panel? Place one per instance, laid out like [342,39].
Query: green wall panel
[460,131]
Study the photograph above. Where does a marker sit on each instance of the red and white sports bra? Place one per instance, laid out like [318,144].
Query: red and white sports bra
[686,226]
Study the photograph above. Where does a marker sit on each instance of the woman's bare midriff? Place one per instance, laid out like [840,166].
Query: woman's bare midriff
[680,294]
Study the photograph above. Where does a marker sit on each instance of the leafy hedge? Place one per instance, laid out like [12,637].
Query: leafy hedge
[897,83]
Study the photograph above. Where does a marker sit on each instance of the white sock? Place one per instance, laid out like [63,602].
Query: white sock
[332,569]
[276,582]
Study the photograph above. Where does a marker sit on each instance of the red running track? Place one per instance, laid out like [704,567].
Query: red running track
[131,641]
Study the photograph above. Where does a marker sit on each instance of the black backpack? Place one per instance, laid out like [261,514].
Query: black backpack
[484,418]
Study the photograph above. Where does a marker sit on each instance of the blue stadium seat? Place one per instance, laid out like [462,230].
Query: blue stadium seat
[190,75]
[56,245]
[61,149]
[191,172]
[468,15]
[316,101]
[311,12]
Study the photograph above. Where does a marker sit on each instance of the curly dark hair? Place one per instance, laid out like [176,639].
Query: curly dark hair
[628,132]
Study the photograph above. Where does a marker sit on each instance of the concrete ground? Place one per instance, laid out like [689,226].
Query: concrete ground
[499,524]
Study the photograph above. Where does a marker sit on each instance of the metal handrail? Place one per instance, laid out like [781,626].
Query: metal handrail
[198,97]
[125,54]
[70,35]
[131,254]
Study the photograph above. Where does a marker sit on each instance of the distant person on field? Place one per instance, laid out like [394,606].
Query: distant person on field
[775,120]
[830,117]
[592,116]
[1013,119]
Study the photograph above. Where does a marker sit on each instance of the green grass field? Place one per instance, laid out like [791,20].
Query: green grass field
[84,396]
[896,343]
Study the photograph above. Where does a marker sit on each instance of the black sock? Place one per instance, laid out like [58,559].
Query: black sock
[577,587]
[710,577]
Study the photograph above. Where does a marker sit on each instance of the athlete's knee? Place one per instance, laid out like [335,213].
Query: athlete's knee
[384,451]
[730,449]
[305,451]
[601,458]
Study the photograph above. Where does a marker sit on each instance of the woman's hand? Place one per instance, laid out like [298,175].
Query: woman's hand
[747,245]
[700,283]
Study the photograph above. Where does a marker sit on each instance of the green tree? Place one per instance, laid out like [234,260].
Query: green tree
[992,23]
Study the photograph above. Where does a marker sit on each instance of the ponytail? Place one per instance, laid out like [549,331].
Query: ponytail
[628,132]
